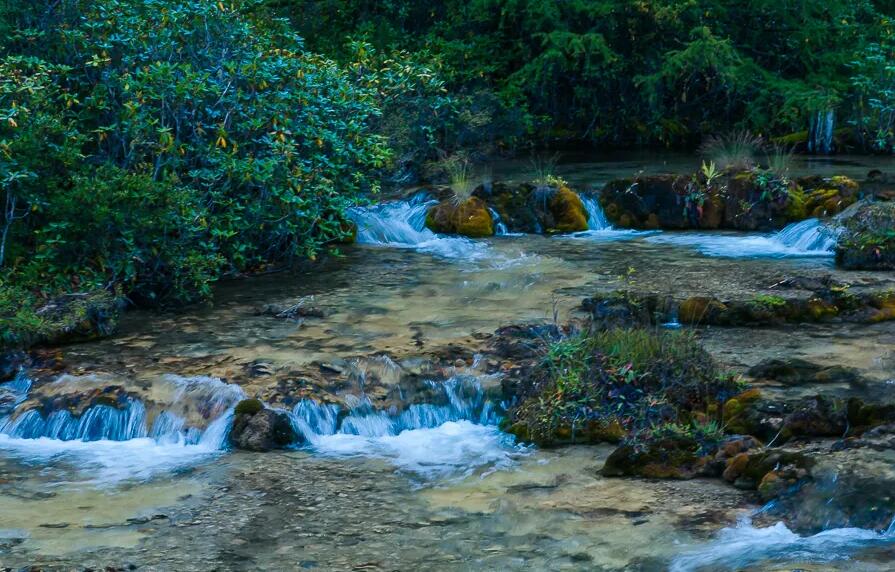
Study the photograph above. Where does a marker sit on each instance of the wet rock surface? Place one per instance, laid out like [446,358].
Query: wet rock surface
[257,428]
[867,241]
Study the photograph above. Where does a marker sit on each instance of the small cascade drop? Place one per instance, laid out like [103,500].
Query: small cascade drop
[596,218]
[500,229]
[458,435]
[114,443]
[402,224]
[808,238]
[598,226]
[810,235]
[745,546]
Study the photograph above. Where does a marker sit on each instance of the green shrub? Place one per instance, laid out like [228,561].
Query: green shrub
[160,144]
[635,379]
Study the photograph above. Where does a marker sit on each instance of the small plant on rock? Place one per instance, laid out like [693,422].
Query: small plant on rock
[736,151]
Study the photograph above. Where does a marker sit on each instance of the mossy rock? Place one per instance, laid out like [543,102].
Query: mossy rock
[248,407]
[569,214]
[470,218]
[669,458]
[699,309]
[867,241]
[735,412]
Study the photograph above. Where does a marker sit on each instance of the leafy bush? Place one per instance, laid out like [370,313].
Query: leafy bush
[631,379]
[160,144]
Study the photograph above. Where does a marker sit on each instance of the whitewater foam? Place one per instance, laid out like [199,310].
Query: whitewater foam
[808,238]
[745,545]
[402,224]
[453,439]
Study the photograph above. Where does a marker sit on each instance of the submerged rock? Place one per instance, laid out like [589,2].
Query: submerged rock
[797,371]
[830,301]
[258,428]
[467,218]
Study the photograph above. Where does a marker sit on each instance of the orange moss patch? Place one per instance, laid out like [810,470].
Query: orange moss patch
[568,211]
[470,218]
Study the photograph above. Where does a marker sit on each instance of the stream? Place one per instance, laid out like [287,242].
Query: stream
[433,484]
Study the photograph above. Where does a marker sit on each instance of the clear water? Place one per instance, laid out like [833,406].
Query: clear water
[402,290]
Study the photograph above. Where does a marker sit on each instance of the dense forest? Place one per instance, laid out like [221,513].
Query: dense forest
[150,147]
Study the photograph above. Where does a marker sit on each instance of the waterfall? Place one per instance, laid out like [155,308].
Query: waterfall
[500,229]
[596,218]
[808,238]
[744,546]
[598,226]
[456,436]
[402,224]
[113,443]
[820,132]
[810,235]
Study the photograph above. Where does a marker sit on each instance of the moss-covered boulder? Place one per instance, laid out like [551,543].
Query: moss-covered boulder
[567,212]
[818,196]
[740,200]
[258,428]
[756,201]
[65,319]
[770,472]
[669,458]
[648,202]
[469,218]
[535,208]
[602,386]
[867,241]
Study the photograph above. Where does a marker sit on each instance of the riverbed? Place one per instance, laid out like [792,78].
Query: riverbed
[444,490]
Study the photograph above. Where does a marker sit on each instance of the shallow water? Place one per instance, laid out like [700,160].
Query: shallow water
[436,487]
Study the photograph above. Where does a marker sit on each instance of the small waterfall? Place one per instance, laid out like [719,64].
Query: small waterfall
[810,235]
[596,218]
[807,238]
[464,401]
[820,132]
[402,224]
[745,546]
[113,443]
[500,229]
[458,435]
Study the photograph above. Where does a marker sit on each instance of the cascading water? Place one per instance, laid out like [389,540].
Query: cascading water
[457,436]
[402,224]
[596,218]
[807,238]
[744,545]
[115,443]
[598,226]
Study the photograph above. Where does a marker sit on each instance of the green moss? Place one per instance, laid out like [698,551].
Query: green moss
[568,211]
[248,407]
[469,218]
[603,386]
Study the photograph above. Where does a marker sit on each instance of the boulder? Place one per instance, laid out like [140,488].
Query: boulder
[535,208]
[469,218]
[818,196]
[797,371]
[258,428]
[755,202]
[867,240]
[567,212]
[667,458]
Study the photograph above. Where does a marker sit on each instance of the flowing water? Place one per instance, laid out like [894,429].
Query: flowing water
[430,484]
